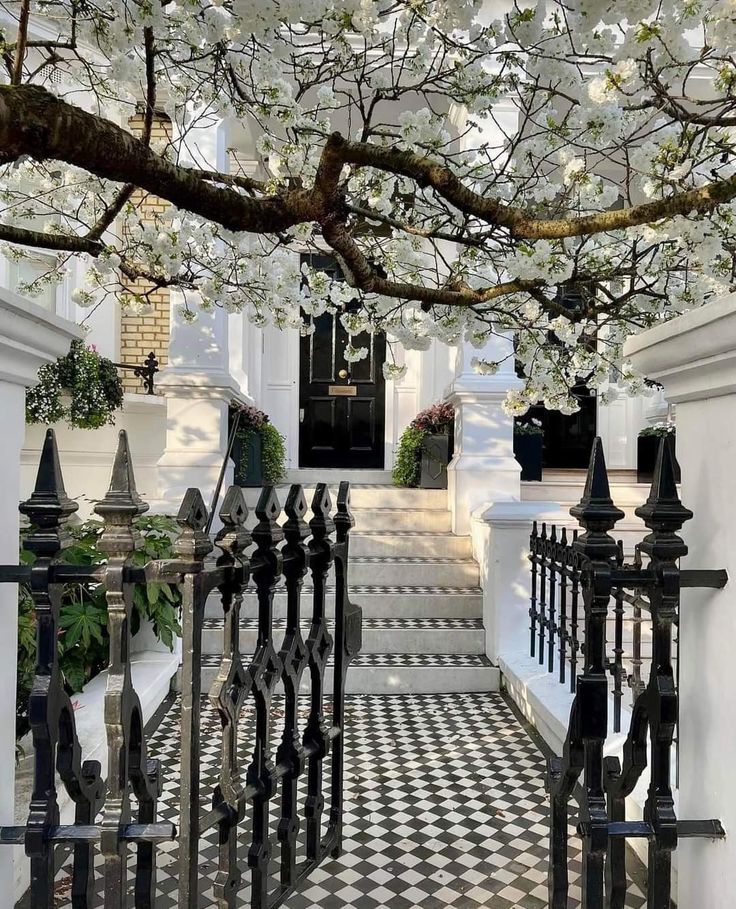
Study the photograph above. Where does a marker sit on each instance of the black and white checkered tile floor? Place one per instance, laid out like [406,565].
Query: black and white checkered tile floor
[394,659]
[452,623]
[445,807]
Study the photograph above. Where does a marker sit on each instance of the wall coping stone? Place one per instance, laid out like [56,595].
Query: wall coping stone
[30,336]
[694,355]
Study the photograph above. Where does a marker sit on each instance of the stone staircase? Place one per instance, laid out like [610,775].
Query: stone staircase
[416,582]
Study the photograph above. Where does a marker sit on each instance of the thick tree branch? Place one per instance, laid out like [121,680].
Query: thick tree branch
[520,224]
[53,242]
[34,122]
[365,278]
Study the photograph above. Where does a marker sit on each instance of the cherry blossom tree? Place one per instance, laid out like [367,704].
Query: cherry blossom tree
[563,171]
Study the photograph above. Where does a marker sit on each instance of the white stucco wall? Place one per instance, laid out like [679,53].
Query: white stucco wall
[87,454]
[694,357]
[29,337]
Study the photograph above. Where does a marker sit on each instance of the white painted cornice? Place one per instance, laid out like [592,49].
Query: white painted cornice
[29,337]
[693,356]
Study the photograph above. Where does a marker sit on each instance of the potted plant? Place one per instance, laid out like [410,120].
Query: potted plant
[81,388]
[258,449]
[528,442]
[647,446]
[425,449]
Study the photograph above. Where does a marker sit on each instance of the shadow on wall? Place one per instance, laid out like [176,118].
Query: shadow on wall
[88,453]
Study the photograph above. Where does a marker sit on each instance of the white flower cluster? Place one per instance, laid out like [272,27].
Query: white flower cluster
[435,79]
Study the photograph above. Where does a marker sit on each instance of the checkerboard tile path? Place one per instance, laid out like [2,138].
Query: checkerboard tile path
[462,660]
[462,623]
[445,807]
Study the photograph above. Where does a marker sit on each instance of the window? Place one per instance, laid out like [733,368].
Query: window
[26,271]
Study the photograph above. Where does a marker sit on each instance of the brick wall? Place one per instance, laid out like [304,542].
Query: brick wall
[141,334]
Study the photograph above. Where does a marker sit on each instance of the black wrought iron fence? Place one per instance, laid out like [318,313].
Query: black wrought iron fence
[117,810]
[557,633]
[591,564]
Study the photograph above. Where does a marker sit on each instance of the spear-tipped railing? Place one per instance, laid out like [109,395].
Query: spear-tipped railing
[114,813]
[604,578]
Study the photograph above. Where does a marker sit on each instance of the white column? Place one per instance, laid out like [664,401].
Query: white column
[694,357]
[618,425]
[199,387]
[29,337]
[483,468]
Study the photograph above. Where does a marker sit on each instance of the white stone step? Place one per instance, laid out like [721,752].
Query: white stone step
[414,519]
[386,544]
[570,489]
[366,496]
[402,674]
[410,572]
[380,636]
[310,476]
[377,602]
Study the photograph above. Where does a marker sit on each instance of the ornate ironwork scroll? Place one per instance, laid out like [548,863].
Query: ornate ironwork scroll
[604,576]
[50,710]
[129,772]
[242,801]
[146,371]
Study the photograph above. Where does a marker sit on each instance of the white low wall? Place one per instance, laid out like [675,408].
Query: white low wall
[694,358]
[29,337]
[87,455]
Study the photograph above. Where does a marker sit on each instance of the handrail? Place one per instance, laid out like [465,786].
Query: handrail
[221,477]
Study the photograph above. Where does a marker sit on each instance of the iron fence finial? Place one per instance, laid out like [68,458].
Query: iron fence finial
[663,511]
[193,541]
[49,507]
[121,504]
[344,519]
[233,539]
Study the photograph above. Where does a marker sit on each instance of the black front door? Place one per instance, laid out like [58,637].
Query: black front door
[341,405]
[568,438]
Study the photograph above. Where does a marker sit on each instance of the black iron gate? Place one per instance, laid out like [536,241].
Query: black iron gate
[116,812]
[592,567]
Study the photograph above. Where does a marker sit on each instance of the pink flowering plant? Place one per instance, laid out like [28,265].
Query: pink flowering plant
[251,417]
[437,419]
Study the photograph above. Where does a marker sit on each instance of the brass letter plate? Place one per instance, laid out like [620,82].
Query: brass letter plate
[349,390]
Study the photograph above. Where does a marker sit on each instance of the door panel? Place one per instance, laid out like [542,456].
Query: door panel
[343,428]
[361,424]
[568,438]
[323,418]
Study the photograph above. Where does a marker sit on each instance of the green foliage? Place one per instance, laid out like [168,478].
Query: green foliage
[83,634]
[407,469]
[434,420]
[91,381]
[274,453]
[528,428]
[659,430]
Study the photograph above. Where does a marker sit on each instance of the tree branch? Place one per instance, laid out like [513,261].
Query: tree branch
[35,122]
[521,224]
[20,44]
[54,242]
[365,278]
